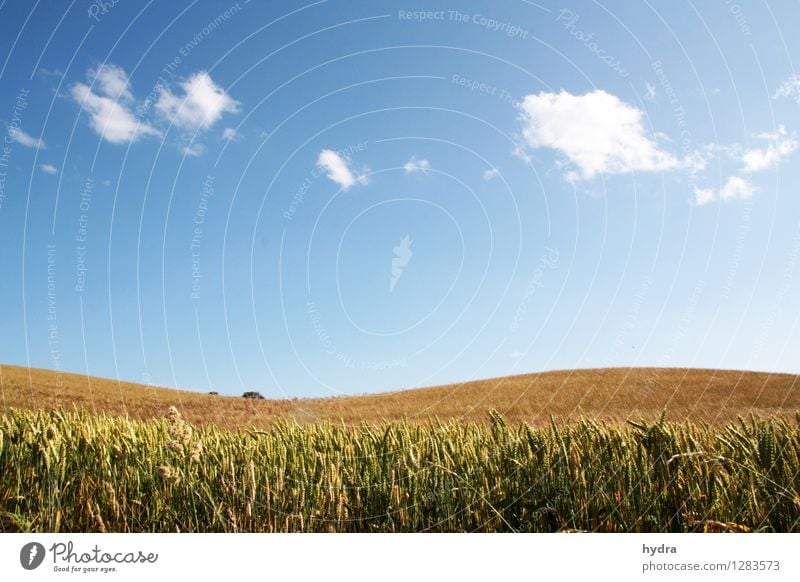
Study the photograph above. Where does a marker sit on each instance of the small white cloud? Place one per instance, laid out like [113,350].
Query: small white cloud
[597,132]
[697,160]
[491,174]
[337,169]
[519,152]
[789,88]
[110,119]
[649,91]
[516,355]
[703,196]
[112,81]
[734,188]
[757,160]
[45,73]
[415,165]
[194,150]
[230,134]
[200,106]
[772,135]
[737,187]
[23,138]
[48,169]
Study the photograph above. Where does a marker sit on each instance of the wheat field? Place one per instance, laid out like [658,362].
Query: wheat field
[77,472]
[616,450]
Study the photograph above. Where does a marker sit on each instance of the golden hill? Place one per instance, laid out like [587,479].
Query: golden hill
[614,394]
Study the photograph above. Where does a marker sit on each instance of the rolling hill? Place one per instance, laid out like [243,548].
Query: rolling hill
[613,394]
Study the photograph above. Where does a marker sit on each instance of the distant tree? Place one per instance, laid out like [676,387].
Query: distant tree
[213,393]
[253,394]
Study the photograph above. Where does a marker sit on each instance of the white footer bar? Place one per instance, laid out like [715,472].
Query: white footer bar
[350,557]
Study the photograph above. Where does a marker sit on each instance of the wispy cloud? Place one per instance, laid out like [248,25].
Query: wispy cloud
[789,88]
[491,174]
[414,165]
[194,150]
[23,138]
[338,170]
[735,188]
[597,132]
[230,134]
[759,159]
[48,169]
[751,161]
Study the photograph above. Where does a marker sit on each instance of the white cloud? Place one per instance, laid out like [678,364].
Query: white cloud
[734,188]
[516,355]
[194,150]
[491,174]
[520,153]
[697,160]
[23,138]
[110,119]
[337,169]
[48,169]
[757,159]
[703,196]
[200,106]
[112,81]
[597,132]
[737,187]
[415,165]
[230,134]
[789,88]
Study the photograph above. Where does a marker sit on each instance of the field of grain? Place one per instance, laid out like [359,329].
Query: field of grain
[78,472]
[613,395]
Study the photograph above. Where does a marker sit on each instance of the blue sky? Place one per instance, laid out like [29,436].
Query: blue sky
[348,197]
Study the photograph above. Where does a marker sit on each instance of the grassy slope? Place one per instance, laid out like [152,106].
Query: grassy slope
[610,394]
